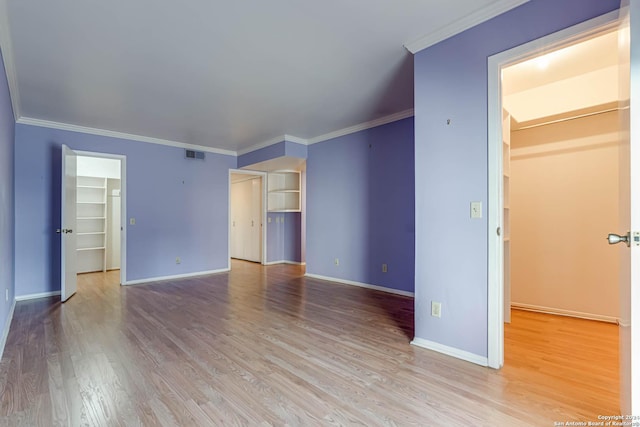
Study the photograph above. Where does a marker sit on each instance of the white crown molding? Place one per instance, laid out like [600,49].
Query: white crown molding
[497,8]
[121,135]
[340,132]
[363,126]
[6,46]
[291,138]
[295,139]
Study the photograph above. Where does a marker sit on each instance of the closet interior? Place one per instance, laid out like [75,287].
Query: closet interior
[98,214]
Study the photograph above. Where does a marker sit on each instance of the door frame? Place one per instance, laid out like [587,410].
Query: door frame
[123,206]
[495,220]
[263,213]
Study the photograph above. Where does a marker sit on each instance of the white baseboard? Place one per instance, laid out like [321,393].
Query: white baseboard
[562,312]
[451,351]
[285,262]
[7,325]
[174,277]
[360,284]
[36,296]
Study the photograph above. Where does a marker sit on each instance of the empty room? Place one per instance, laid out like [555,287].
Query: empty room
[316,213]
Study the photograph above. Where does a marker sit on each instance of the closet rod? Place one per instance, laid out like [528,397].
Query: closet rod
[566,119]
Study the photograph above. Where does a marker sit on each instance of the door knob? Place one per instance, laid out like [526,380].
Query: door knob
[616,238]
[64,231]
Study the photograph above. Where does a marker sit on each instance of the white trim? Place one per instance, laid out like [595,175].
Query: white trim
[495,259]
[295,139]
[290,138]
[363,126]
[273,141]
[566,313]
[450,351]
[6,45]
[361,285]
[7,325]
[463,24]
[340,132]
[174,277]
[121,135]
[37,296]
[284,262]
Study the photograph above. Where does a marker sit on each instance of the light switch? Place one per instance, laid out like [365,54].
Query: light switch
[476,210]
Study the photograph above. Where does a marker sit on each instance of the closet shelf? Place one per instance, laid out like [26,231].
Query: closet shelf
[91,186]
[284,191]
[90,203]
[90,249]
[90,233]
[90,217]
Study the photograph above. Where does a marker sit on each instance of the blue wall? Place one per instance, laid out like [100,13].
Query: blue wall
[180,207]
[360,206]
[280,149]
[451,165]
[284,238]
[7,128]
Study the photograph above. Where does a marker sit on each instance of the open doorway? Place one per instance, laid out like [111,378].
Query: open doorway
[100,214]
[555,184]
[247,239]
[561,129]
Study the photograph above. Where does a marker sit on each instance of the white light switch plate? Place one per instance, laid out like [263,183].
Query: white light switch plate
[476,210]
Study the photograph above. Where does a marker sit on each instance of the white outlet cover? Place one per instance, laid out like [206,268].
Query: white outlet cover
[476,210]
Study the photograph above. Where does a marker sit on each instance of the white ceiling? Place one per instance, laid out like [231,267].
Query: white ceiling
[578,78]
[223,74]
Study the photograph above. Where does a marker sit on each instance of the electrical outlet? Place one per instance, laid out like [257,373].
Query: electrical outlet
[436,309]
[384,268]
[178,260]
[132,221]
[337,261]
[476,210]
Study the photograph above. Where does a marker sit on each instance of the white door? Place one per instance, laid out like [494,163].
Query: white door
[629,208]
[253,242]
[67,230]
[246,220]
[237,229]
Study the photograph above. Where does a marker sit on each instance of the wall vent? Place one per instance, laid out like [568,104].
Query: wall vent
[192,154]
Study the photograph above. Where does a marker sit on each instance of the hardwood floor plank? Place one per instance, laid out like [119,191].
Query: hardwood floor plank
[267,346]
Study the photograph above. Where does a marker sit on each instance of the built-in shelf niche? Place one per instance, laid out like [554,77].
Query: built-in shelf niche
[283,189]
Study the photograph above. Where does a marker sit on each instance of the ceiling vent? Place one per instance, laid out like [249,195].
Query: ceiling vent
[192,154]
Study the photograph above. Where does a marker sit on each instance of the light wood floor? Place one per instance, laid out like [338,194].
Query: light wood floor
[265,346]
